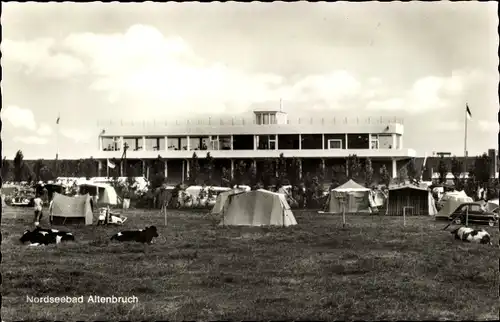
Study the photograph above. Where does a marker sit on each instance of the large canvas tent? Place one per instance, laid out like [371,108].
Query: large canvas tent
[66,209]
[418,198]
[450,202]
[357,199]
[257,208]
[222,198]
[105,193]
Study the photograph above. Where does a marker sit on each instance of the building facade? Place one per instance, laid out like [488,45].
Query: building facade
[315,142]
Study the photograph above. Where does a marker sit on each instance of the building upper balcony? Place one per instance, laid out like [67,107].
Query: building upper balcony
[255,146]
[241,126]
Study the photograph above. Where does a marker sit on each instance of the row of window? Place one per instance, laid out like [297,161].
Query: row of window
[261,142]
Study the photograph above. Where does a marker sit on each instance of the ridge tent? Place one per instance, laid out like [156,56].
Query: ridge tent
[221,199]
[75,208]
[357,199]
[409,195]
[257,208]
[105,193]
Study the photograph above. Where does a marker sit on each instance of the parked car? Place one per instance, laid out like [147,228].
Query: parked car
[476,213]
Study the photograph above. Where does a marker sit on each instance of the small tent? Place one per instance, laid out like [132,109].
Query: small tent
[357,199]
[257,208]
[105,193]
[69,209]
[221,199]
[417,200]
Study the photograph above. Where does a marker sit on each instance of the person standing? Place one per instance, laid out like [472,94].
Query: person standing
[38,207]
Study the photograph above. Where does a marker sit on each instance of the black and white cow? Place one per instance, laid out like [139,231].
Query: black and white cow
[40,236]
[145,235]
[470,235]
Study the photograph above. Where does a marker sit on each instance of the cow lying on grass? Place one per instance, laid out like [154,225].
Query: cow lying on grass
[40,236]
[472,235]
[145,235]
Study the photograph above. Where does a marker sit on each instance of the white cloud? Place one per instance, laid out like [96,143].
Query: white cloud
[145,66]
[488,126]
[449,126]
[79,136]
[30,140]
[19,117]
[163,75]
[330,87]
[44,129]
[392,104]
[427,93]
[36,57]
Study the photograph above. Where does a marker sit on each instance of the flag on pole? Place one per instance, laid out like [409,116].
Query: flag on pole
[469,115]
[111,164]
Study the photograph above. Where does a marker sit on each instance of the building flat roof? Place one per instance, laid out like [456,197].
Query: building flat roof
[240,126]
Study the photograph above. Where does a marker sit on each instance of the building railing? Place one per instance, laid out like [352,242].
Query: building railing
[239,121]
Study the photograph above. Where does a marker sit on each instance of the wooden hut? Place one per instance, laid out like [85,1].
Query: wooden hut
[417,199]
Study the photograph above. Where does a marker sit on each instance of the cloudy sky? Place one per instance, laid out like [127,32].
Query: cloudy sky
[89,62]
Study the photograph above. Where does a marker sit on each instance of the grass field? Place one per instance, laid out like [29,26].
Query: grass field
[374,269]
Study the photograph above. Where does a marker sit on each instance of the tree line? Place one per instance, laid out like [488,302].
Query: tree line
[274,172]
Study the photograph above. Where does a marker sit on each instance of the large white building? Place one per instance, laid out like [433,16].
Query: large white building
[322,142]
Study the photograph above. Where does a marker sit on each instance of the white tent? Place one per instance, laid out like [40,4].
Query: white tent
[357,199]
[106,194]
[257,208]
[64,207]
[221,199]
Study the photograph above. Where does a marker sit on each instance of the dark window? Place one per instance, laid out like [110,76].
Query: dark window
[312,141]
[266,142]
[225,142]
[358,141]
[288,141]
[243,142]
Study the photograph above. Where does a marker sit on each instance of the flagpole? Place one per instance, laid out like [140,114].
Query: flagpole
[465,139]
[57,143]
